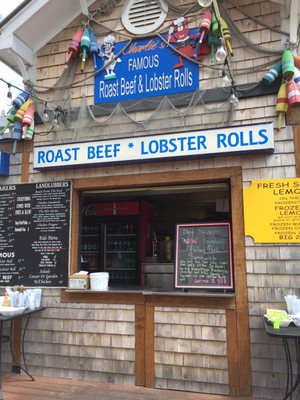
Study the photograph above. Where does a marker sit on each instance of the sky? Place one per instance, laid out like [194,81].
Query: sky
[7,6]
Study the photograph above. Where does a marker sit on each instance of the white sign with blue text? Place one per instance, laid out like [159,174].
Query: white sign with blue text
[220,141]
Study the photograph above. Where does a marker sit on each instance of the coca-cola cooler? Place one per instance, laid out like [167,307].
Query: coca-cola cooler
[116,237]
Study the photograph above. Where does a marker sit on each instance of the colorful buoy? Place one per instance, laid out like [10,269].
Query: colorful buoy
[287,63]
[281,104]
[30,131]
[20,99]
[293,93]
[227,36]
[297,77]
[215,29]
[94,49]
[212,42]
[27,120]
[74,46]
[85,46]
[296,61]
[11,117]
[203,29]
[272,74]
[21,111]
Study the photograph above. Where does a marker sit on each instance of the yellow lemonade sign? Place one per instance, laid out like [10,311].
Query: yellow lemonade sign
[272,211]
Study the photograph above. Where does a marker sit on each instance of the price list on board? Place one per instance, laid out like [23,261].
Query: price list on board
[203,256]
[34,234]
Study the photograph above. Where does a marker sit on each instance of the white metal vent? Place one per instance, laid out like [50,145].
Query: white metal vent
[142,16]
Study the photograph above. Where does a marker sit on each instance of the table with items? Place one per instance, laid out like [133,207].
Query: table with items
[289,333]
[11,316]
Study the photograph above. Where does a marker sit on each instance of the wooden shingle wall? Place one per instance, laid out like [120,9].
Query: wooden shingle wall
[190,350]
[81,341]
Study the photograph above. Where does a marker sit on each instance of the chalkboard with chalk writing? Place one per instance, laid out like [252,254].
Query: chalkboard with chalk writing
[34,234]
[203,256]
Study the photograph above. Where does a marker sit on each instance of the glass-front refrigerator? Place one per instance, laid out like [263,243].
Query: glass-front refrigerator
[120,251]
[116,238]
[90,246]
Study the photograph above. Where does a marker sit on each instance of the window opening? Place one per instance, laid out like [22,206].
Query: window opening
[130,232]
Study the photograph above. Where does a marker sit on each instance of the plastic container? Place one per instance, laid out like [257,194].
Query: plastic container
[99,280]
[166,250]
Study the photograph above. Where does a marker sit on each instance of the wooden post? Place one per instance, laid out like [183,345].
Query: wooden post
[241,325]
[140,350]
[149,364]
[16,344]
[297,148]
[27,150]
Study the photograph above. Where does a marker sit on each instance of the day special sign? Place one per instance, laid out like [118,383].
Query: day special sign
[221,141]
[145,68]
[272,210]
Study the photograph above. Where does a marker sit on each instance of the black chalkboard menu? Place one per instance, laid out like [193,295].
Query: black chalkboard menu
[34,234]
[203,256]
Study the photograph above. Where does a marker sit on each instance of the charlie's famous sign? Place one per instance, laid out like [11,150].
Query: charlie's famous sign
[143,68]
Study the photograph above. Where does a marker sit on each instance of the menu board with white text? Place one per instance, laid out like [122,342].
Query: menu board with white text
[34,234]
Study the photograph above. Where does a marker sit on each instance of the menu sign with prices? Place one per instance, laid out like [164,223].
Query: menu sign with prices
[272,210]
[34,234]
[203,256]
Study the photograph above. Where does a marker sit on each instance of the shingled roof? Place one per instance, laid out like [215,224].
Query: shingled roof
[30,26]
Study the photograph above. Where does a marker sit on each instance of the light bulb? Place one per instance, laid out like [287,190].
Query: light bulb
[225,80]
[56,121]
[9,98]
[221,52]
[204,3]
[46,116]
[233,99]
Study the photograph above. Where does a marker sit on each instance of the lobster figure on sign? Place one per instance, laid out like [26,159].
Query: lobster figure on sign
[179,34]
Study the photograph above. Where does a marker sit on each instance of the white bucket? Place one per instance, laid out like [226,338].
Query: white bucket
[99,280]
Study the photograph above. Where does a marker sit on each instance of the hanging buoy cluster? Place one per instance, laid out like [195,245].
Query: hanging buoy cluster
[216,32]
[288,95]
[213,37]
[82,44]
[21,115]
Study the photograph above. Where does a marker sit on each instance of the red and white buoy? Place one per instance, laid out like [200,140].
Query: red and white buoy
[293,93]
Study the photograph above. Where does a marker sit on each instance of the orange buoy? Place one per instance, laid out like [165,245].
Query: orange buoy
[297,61]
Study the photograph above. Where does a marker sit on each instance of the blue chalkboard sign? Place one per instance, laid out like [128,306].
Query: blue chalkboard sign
[203,256]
